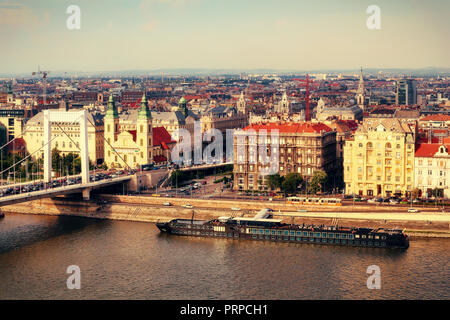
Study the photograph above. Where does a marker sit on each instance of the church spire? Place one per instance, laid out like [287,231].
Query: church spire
[361,92]
[111,112]
[144,112]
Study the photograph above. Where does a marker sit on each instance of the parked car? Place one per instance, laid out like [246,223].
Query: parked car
[187,205]
[302,210]
[393,201]
[167,204]
[412,210]
[235,208]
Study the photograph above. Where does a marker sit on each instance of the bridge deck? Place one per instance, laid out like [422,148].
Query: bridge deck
[52,192]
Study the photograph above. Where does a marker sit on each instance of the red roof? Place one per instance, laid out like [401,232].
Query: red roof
[291,127]
[162,137]
[428,149]
[159,159]
[133,133]
[436,117]
[17,145]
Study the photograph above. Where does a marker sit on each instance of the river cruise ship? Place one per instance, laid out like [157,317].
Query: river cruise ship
[268,229]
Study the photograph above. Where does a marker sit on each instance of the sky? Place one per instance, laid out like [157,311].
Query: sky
[117,35]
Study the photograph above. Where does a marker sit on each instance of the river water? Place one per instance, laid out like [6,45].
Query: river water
[132,260]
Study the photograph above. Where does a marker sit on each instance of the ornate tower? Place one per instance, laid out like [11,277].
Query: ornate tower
[242,105]
[10,95]
[144,134]
[284,107]
[361,92]
[182,106]
[111,129]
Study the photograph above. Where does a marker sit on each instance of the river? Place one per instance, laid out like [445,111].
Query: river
[132,260]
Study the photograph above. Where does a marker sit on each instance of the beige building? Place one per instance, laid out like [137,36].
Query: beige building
[65,136]
[379,160]
[303,148]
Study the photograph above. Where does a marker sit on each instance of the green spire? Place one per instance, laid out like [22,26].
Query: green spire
[144,112]
[10,88]
[111,112]
[182,106]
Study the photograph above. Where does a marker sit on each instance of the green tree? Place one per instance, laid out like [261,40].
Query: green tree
[291,182]
[274,181]
[177,177]
[317,182]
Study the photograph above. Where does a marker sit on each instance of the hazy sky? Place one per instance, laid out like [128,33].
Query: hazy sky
[243,34]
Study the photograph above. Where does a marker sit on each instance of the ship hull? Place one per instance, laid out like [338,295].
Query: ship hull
[297,235]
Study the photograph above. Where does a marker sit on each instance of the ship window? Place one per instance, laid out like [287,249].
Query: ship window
[310,234]
[274,232]
[261,231]
[317,234]
[343,236]
[350,236]
[377,237]
[383,237]
[286,233]
[298,233]
[305,234]
[279,232]
[331,235]
[336,235]
[267,231]
[292,233]
[370,237]
[324,234]
[363,236]
[356,236]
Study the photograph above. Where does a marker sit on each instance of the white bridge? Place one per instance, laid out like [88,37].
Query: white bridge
[57,191]
[85,186]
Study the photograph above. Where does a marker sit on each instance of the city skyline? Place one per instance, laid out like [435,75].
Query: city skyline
[192,34]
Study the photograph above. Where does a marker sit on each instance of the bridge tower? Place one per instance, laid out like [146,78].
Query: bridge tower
[63,116]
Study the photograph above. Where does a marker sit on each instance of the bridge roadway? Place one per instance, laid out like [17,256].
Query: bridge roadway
[57,191]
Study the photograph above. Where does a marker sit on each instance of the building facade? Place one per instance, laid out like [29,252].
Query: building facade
[65,136]
[132,142]
[432,169]
[406,92]
[303,148]
[379,160]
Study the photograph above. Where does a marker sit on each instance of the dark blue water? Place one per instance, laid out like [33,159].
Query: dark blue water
[131,260]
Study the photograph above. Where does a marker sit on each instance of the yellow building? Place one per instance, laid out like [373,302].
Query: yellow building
[12,122]
[379,160]
[65,136]
[128,145]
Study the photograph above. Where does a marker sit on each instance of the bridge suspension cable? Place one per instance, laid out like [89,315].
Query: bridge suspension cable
[114,149]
